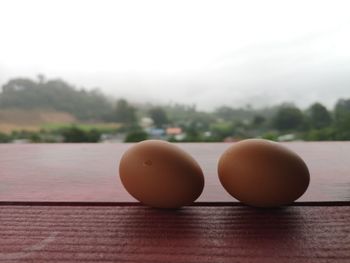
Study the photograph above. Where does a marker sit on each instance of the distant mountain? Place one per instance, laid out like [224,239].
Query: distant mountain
[24,93]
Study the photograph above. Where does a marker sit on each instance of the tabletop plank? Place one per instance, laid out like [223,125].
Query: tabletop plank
[193,234]
[89,172]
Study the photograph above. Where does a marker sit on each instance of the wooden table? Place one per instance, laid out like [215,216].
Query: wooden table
[65,203]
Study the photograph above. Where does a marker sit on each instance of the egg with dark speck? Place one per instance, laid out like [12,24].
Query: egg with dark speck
[263,173]
[160,174]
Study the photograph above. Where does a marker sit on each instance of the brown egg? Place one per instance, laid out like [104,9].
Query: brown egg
[263,173]
[160,174]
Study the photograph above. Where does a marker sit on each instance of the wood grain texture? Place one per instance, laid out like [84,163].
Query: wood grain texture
[192,234]
[89,172]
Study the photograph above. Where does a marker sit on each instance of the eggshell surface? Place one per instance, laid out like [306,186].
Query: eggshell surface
[263,173]
[160,174]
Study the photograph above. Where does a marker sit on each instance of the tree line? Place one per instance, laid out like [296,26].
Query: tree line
[224,123]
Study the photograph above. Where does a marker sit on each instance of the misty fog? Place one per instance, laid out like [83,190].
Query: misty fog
[207,53]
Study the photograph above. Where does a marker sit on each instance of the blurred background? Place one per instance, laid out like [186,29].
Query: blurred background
[183,71]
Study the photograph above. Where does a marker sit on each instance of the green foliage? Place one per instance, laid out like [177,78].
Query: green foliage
[318,116]
[180,112]
[342,119]
[288,118]
[101,127]
[74,134]
[58,133]
[136,136]
[272,136]
[193,133]
[4,138]
[324,134]
[124,113]
[35,137]
[231,114]
[188,118]
[222,130]
[20,135]
[258,121]
[158,116]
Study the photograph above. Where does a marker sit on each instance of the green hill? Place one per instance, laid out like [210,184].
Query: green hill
[56,95]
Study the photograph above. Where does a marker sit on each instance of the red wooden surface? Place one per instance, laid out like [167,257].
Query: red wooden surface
[208,231]
[192,234]
[88,172]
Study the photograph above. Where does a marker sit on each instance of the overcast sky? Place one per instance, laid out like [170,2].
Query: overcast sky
[206,53]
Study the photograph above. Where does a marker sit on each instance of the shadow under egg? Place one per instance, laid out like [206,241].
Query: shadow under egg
[151,223]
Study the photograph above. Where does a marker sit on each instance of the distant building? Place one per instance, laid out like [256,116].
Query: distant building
[156,133]
[286,137]
[172,131]
[112,138]
[146,122]
[176,133]
[19,141]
